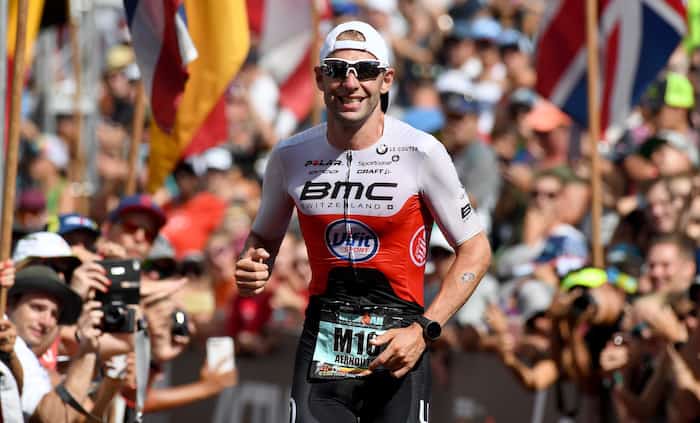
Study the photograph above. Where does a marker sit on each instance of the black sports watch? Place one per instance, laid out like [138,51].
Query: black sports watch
[431,328]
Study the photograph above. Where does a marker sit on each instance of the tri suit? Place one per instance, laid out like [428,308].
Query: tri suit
[366,217]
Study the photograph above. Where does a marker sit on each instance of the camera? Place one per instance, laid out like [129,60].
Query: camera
[179,325]
[124,291]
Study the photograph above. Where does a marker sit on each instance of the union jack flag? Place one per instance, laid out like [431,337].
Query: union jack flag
[636,38]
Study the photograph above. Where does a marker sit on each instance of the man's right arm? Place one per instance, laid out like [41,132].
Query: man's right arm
[255,263]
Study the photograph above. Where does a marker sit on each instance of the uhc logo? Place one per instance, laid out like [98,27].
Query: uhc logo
[355,243]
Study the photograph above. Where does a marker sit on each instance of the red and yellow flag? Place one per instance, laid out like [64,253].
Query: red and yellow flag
[219,30]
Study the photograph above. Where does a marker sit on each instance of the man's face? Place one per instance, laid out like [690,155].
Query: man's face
[351,100]
[668,270]
[36,317]
[661,211]
[546,193]
[135,231]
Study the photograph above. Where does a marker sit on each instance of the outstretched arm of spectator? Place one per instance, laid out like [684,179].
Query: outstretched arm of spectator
[644,405]
[211,383]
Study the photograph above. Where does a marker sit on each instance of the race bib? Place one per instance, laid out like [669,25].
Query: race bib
[343,348]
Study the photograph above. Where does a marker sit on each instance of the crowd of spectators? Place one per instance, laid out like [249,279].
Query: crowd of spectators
[625,335]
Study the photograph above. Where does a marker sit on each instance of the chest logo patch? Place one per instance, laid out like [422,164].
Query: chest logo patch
[418,248]
[351,240]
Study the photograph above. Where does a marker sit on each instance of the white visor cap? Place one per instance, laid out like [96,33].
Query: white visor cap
[373,44]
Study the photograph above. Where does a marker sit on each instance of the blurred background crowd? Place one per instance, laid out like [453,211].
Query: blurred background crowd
[625,335]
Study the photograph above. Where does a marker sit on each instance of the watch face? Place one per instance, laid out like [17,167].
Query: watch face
[433,330]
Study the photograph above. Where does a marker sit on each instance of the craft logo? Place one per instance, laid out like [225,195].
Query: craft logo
[418,248]
[351,240]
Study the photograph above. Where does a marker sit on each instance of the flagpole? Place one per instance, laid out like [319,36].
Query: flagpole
[136,135]
[8,196]
[594,129]
[315,22]
[77,161]
[3,86]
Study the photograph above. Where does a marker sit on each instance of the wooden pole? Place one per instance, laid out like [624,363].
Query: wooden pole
[315,23]
[13,141]
[136,135]
[594,129]
[76,169]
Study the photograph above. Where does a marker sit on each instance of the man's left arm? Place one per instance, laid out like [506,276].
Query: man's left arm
[472,260]
[406,345]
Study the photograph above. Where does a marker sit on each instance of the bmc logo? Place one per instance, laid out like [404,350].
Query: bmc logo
[378,191]
[351,240]
[417,248]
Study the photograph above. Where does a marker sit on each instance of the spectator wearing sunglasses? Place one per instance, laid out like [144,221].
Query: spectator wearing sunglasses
[358,182]
[134,225]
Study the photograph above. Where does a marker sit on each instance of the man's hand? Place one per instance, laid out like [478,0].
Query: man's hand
[88,278]
[252,272]
[405,348]
[88,330]
[7,274]
[8,334]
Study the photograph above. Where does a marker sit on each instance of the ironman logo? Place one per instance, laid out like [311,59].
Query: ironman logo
[418,248]
[354,243]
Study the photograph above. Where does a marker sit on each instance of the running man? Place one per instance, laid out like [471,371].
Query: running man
[366,188]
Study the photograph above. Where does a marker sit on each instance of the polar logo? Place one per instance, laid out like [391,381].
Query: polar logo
[351,240]
[417,248]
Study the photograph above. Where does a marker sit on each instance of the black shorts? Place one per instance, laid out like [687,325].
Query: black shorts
[376,398]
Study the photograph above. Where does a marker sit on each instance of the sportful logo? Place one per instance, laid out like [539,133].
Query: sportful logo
[355,243]
[417,248]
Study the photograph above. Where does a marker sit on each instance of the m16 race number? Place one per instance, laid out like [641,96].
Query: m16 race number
[343,346]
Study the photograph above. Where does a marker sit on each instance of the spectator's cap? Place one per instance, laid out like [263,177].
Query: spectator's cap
[218,158]
[384,6]
[31,200]
[438,240]
[44,245]
[373,43]
[533,299]
[485,28]
[37,278]
[454,94]
[545,117]
[53,149]
[678,91]
[73,222]
[138,203]
[587,277]
[119,57]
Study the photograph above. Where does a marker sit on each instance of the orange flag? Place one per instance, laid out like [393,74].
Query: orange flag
[219,31]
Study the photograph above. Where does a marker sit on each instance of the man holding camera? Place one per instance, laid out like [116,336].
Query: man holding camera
[38,303]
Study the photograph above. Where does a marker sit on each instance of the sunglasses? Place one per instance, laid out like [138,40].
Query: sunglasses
[132,228]
[363,69]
